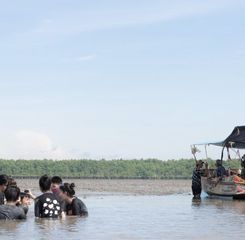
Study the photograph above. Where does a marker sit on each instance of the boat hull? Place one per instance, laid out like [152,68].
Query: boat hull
[223,188]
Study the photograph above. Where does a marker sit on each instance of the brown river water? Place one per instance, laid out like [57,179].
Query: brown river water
[135,209]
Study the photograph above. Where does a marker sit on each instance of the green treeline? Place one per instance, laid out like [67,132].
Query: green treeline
[144,169]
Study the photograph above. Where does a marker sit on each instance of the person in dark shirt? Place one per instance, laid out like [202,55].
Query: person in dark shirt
[10,210]
[46,205]
[74,205]
[196,179]
[3,186]
[220,171]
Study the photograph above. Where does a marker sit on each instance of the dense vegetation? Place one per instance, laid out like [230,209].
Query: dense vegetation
[145,169]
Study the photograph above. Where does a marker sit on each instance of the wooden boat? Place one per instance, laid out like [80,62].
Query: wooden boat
[233,185]
[226,187]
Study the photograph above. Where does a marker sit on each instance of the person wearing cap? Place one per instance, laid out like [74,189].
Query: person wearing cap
[196,179]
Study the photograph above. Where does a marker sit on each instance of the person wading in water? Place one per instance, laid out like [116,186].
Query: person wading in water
[196,179]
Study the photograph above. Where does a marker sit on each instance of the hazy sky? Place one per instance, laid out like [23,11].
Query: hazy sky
[119,79]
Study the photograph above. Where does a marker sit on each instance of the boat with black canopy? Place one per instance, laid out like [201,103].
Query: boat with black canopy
[232,183]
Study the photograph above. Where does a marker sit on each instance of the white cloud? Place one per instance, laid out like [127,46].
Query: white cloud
[29,140]
[29,144]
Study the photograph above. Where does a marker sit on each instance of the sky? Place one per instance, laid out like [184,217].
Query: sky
[119,79]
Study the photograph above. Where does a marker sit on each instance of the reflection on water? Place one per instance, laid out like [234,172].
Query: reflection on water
[68,228]
[139,217]
[10,227]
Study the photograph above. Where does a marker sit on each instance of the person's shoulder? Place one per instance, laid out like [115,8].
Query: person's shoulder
[19,209]
[38,198]
[15,209]
[80,202]
[46,195]
[3,206]
[80,206]
[49,194]
[19,212]
[77,200]
[42,197]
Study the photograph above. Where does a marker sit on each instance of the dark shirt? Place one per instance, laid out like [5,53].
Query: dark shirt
[1,198]
[77,207]
[47,206]
[220,171]
[11,212]
[196,177]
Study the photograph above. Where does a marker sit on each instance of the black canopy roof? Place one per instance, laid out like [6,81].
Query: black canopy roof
[235,140]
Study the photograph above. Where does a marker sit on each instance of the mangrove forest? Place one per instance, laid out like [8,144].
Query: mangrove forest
[114,169]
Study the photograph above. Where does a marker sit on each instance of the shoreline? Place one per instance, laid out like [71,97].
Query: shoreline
[88,187]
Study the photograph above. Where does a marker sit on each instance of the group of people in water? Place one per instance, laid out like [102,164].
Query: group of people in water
[56,201]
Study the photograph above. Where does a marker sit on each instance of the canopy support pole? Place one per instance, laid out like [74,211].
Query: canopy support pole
[222,154]
[206,152]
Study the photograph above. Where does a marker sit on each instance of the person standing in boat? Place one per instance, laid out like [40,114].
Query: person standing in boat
[196,179]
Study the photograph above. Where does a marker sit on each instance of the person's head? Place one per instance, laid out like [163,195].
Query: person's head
[12,193]
[11,182]
[56,181]
[3,182]
[67,189]
[44,183]
[218,163]
[25,198]
[199,164]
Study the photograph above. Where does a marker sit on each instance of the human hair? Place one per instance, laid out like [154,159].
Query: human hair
[44,183]
[56,179]
[23,194]
[3,179]
[12,193]
[218,163]
[11,182]
[69,188]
